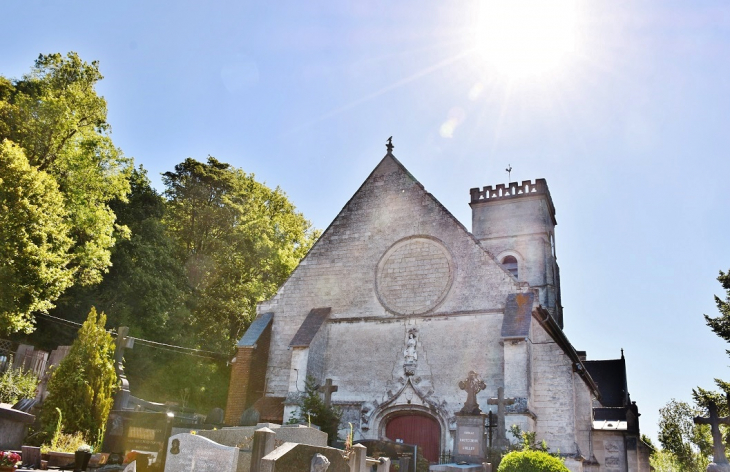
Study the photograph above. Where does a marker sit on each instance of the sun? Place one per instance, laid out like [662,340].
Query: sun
[526,37]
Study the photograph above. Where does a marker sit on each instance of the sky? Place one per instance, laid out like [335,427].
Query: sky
[622,106]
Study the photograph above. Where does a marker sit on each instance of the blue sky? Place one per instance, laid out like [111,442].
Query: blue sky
[629,127]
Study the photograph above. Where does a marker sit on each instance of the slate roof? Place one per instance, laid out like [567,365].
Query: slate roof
[310,327]
[610,375]
[517,315]
[253,333]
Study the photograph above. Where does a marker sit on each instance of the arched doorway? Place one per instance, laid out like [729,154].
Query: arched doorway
[417,429]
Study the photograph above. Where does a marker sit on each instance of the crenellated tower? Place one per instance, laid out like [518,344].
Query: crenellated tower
[516,223]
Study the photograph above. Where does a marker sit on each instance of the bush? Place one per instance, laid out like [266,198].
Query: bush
[16,384]
[82,386]
[531,461]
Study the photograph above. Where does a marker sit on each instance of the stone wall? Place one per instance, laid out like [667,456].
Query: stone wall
[392,216]
[553,396]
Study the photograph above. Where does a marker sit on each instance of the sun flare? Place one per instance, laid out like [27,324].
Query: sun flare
[526,37]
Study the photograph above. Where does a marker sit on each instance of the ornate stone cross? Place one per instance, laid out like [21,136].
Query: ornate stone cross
[501,403]
[472,385]
[718,449]
[328,389]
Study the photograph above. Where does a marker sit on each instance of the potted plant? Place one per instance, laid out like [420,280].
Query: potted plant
[8,461]
[82,457]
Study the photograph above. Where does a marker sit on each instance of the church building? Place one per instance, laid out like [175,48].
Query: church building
[397,302]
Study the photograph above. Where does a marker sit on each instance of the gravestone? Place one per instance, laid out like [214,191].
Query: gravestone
[469,441]
[293,457]
[215,417]
[193,453]
[146,432]
[250,417]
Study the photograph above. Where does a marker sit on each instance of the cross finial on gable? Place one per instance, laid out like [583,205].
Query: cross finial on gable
[390,146]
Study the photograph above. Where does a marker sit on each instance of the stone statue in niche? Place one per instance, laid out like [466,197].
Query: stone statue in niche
[410,354]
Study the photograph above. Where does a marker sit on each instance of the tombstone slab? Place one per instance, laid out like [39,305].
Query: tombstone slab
[292,457]
[469,441]
[193,453]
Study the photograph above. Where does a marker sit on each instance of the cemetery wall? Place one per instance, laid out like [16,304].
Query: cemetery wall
[553,394]
[341,269]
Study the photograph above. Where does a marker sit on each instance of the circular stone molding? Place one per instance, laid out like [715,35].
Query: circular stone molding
[414,276]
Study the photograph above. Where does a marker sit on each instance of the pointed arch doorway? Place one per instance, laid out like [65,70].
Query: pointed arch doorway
[421,430]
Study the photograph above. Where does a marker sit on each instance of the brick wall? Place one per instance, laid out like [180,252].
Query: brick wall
[248,377]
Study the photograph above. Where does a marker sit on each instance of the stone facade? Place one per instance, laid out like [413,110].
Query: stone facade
[398,301]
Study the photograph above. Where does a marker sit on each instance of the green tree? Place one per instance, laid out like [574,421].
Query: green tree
[239,240]
[55,115]
[34,241]
[690,444]
[83,385]
[720,325]
[530,460]
[312,409]
[664,461]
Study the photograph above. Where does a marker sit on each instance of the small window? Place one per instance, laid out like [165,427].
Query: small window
[510,263]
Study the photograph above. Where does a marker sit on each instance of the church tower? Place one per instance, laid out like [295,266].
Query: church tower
[516,223]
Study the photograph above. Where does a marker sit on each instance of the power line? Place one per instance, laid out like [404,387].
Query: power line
[153,344]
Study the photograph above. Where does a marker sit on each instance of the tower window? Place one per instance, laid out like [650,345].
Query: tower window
[510,263]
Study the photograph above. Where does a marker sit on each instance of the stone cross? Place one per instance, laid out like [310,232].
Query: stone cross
[328,389]
[472,385]
[718,450]
[501,403]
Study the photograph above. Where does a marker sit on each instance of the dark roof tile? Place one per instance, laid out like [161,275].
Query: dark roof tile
[310,327]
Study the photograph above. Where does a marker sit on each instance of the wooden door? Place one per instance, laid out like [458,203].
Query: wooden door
[421,430]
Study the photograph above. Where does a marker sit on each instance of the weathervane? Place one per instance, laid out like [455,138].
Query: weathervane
[390,146]
[509,172]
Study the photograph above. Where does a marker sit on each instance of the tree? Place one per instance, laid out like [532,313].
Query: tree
[690,444]
[720,325]
[34,241]
[312,409]
[54,114]
[83,385]
[239,241]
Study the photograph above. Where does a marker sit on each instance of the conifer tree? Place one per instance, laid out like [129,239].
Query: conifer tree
[83,385]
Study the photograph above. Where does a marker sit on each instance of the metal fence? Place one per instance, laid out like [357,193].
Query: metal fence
[446,457]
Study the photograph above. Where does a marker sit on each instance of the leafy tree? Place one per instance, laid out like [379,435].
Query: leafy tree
[239,240]
[664,461]
[54,114]
[34,241]
[312,409]
[690,444]
[83,385]
[530,460]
